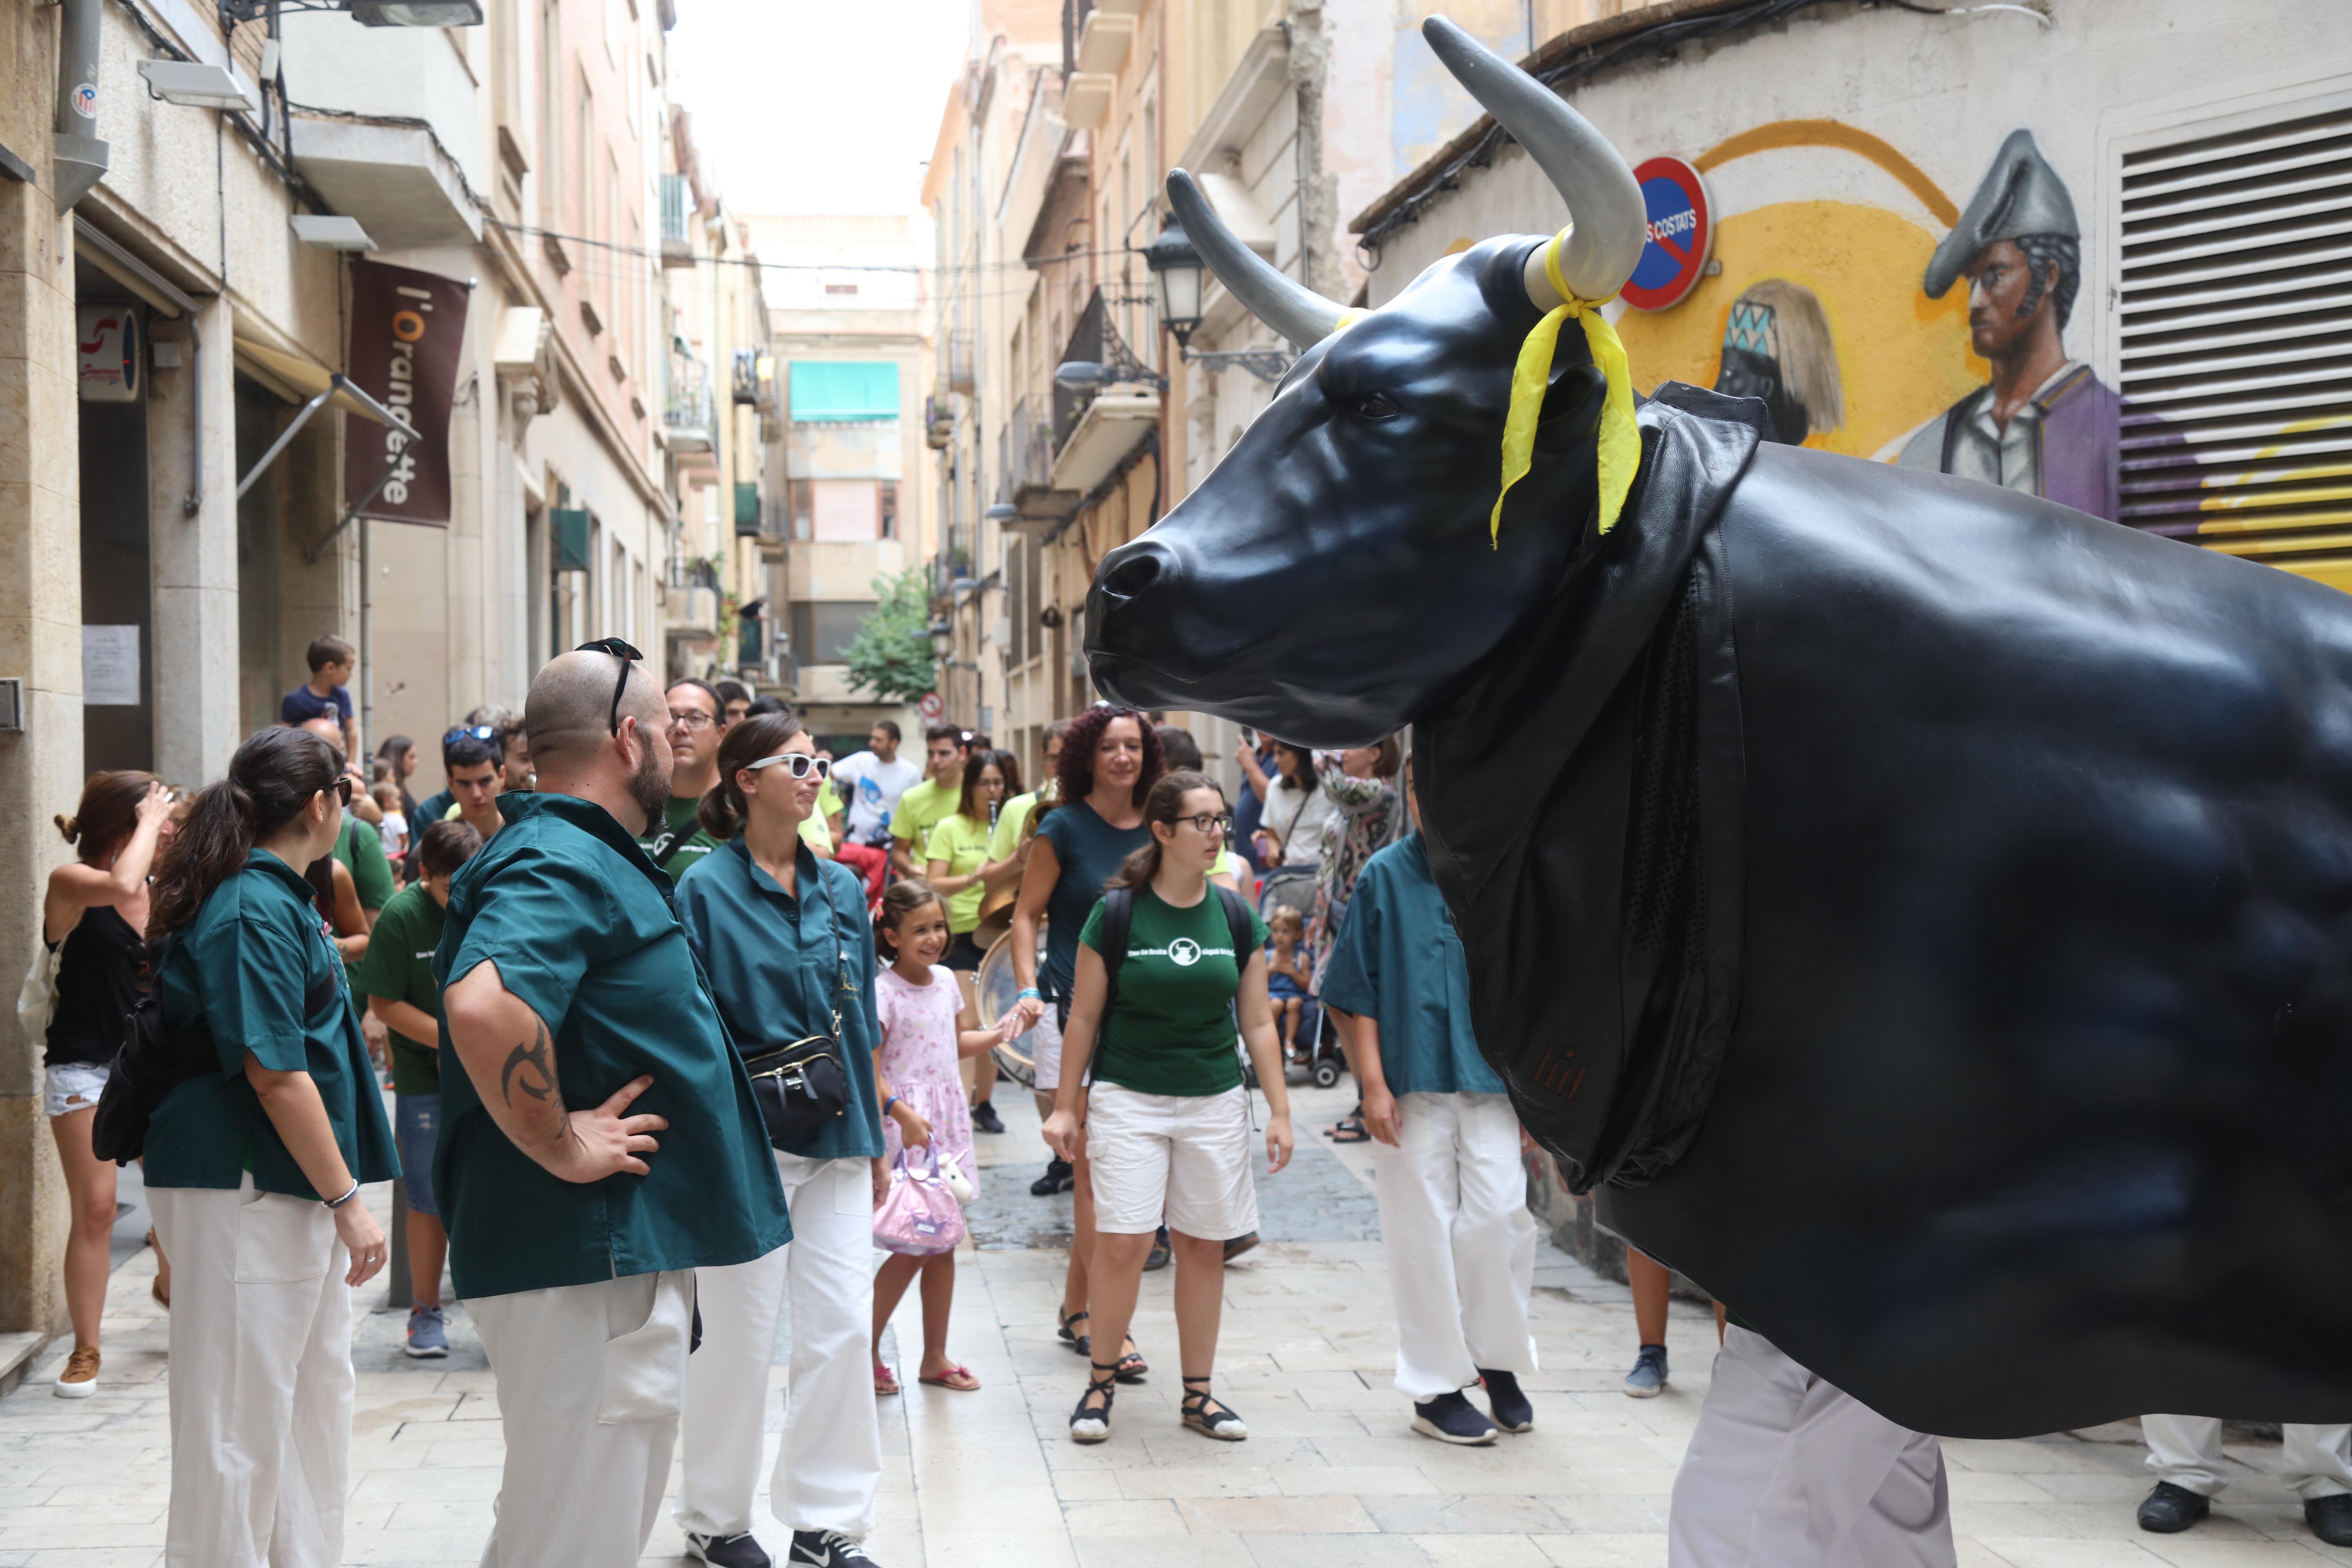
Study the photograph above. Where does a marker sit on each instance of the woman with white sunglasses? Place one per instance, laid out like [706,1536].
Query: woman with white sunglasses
[784,937]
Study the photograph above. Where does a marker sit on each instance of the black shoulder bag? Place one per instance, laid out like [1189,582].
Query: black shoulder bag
[802,1085]
[155,1059]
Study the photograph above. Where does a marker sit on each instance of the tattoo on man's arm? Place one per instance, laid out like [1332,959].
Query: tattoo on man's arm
[538,1056]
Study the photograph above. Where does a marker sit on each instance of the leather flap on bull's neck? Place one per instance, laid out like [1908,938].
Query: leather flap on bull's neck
[1486,762]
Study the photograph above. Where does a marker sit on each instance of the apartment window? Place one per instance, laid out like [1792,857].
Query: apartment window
[551,114]
[584,197]
[2232,403]
[887,510]
[802,500]
[850,511]
[823,629]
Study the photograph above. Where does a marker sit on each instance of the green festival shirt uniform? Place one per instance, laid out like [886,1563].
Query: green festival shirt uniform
[399,968]
[923,808]
[1399,961]
[1004,842]
[782,967]
[244,969]
[682,842]
[962,844]
[360,849]
[581,928]
[1171,1030]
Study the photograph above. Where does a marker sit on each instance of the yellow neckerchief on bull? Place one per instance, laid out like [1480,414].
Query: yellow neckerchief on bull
[1618,448]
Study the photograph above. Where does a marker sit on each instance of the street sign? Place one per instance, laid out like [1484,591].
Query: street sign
[933,707]
[1682,225]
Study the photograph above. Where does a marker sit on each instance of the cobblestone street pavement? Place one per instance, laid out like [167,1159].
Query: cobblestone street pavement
[1330,1473]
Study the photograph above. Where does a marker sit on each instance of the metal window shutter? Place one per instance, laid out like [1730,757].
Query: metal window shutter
[2236,336]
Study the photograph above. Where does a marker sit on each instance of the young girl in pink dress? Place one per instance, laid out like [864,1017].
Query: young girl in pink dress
[926,1029]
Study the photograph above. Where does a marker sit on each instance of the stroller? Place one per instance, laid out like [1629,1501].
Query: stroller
[1315,1049]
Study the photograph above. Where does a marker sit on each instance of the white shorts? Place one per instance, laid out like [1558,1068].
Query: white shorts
[1044,1043]
[75,1086]
[1179,1156]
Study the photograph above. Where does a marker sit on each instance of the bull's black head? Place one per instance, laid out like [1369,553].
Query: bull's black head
[1334,573]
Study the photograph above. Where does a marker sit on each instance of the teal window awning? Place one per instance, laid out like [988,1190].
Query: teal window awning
[841,390]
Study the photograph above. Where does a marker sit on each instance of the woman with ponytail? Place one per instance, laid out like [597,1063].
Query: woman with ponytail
[254,1171]
[95,919]
[782,936]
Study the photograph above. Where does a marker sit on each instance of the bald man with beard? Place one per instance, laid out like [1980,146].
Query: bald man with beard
[602,1142]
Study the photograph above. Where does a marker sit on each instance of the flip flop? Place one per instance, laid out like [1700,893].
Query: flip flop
[885,1381]
[959,1378]
[1348,1131]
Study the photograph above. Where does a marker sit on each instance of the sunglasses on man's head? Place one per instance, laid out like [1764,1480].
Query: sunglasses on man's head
[484,732]
[800,764]
[627,655]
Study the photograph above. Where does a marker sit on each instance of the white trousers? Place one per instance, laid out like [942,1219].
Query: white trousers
[260,1378]
[1786,1471]
[1461,1244]
[589,1381]
[2186,1451]
[829,1464]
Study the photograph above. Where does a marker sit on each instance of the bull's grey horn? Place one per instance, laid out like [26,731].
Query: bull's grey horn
[1612,220]
[1282,302]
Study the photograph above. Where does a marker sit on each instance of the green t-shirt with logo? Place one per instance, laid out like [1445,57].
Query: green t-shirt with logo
[682,842]
[399,968]
[962,844]
[1171,1029]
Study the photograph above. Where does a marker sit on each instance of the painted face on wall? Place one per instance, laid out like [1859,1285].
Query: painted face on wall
[1999,278]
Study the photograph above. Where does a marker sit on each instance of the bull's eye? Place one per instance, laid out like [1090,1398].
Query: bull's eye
[1373,405]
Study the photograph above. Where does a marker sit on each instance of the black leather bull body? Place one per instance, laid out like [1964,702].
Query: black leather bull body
[1926,908]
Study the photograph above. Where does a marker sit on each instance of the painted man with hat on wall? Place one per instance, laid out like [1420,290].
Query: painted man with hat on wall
[2044,423]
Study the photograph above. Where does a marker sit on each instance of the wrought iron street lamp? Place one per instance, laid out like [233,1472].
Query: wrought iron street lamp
[1177,268]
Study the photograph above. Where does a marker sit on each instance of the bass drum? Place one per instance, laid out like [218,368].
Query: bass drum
[998,988]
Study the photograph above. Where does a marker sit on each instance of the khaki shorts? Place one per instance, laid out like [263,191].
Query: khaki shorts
[1184,1158]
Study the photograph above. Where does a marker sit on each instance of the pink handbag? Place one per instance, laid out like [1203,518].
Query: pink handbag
[919,1218]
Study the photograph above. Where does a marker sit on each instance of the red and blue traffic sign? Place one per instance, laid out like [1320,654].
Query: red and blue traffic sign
[1682,225]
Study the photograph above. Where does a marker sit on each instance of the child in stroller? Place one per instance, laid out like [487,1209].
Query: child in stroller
[1285,977]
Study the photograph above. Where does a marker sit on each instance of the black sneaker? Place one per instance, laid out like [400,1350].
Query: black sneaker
[1512,1411]
[1450,1418]
[1158,1255]
[2169,1509]
[827,1549]
[2330,1517]
[983,1120]
[728,1550]
[1058,1178]
[1240,1245]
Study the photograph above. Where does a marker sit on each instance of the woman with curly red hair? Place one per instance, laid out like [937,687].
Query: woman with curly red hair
[1110,759]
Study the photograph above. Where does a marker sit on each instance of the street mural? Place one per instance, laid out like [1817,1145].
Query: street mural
[1867,332]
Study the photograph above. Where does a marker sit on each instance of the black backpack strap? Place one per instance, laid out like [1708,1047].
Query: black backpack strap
[1118,919]
[1237,921]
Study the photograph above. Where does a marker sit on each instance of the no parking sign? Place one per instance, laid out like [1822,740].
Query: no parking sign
[1682,225]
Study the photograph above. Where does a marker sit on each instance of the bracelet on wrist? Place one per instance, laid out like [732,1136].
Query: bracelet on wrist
[1028,993]
[888,1103]
[338,1202]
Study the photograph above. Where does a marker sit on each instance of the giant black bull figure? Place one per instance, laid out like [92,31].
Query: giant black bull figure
[1927,910]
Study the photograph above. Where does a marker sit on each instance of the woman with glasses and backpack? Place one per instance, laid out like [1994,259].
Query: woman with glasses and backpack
[254,1163]
[1164,962]
[784,937]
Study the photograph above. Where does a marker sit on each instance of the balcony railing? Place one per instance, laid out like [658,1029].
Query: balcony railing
[689,414]
[749,386]
[956,364]
[1025,460]
[952,564]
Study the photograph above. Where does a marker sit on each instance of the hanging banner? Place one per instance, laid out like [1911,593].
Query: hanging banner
[408,332]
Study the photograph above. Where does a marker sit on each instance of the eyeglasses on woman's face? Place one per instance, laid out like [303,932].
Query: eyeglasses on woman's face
[1205,823]
[800,764]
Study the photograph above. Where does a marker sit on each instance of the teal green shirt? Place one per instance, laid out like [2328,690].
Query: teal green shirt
[583,931]
[782,968]
[1399,961]
[244,969]
[399,968]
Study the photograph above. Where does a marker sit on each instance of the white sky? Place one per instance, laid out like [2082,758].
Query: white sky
[817,106]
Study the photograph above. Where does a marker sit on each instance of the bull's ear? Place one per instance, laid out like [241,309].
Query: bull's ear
[1571,407]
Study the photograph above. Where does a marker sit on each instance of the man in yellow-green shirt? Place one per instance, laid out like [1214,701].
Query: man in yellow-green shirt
[923,806]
